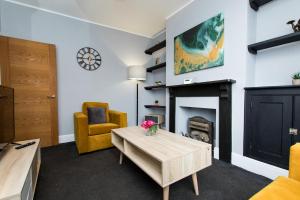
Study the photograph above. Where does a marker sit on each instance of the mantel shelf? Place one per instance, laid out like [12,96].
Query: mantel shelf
[155,87]
[255,4]
[155,67]
[286,39]
[155,106]
[216,82]
[156,47]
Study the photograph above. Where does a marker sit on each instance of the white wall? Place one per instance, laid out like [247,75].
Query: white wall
[75,85]
[275,66]
[235,12]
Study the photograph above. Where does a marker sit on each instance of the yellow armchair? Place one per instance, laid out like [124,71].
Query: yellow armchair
[96,136]
[283,188]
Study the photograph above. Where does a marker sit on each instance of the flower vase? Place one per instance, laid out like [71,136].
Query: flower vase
[296,81]
[152,130]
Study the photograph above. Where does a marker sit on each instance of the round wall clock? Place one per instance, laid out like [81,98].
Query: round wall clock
[89,58]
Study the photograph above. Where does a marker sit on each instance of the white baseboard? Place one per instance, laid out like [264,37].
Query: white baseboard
[66,138]
[257,167]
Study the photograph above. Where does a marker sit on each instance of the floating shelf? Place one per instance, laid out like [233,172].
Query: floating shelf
[255,4]
[155,67]
[155,87]
[155,106]
[156,47]
[286,39]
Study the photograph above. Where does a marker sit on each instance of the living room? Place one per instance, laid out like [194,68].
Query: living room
[218,79]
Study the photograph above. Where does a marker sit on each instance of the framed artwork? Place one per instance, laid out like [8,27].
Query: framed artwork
[200,47]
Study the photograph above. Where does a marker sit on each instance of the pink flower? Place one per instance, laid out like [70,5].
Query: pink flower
[147,124]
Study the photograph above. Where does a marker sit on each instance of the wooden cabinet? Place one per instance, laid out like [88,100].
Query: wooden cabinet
[270,113]
[19,171]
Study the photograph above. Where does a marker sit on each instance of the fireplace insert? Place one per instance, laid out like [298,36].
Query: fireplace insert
[201,129]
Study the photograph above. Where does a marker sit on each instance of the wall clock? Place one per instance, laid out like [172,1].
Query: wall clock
[89,58]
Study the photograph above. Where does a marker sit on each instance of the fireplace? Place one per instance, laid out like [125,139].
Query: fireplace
[220,89]
[200,129]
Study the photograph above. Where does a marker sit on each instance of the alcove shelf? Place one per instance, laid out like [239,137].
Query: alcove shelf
[155,87]
[156,47]
[155,67]
[286,39]
[155,106]
[255,4]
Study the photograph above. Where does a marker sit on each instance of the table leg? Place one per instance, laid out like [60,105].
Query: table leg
[121,158]
[166,193]
[195,182]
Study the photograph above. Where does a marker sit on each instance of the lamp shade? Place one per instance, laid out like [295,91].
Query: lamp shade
[136,73]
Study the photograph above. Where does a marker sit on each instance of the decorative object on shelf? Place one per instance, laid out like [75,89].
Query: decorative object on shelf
[150,126]
[296,79]
[296,27]
[137,73]
[157,60]
[89,58]
[156,102]
[201,47]
[158,82]
[157,118]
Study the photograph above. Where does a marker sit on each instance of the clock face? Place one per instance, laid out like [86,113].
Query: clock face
[89,58]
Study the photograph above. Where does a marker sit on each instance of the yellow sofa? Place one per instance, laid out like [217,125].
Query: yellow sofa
[96,136]
[283,188]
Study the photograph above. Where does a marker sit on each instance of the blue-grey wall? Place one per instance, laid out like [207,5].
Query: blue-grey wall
[75,85]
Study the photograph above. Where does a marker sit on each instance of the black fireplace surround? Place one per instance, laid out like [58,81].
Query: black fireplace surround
[221,89]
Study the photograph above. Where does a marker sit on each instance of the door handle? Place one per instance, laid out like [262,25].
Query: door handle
[293,131]
[51,96]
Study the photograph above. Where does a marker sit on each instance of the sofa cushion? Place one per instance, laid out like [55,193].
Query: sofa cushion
[86,105]
[96,115]
[97,129]
[281,188]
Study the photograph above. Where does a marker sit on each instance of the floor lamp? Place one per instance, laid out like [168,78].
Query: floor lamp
[137,73]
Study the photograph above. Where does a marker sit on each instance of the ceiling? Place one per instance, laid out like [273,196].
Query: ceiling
[142,17]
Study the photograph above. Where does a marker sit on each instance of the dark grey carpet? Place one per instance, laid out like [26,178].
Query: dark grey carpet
[65,175]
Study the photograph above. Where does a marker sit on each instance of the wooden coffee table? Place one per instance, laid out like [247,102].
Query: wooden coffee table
[165,157]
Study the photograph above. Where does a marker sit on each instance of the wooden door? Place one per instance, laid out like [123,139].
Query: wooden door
[270,119]
[4,62]
[32,74]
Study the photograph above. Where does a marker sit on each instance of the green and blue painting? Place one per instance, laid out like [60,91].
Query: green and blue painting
[200,47]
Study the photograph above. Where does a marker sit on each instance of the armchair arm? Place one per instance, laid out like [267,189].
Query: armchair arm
[81,131]
[117,117]
[294,171]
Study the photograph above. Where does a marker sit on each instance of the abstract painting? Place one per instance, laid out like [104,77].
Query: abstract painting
[200,47]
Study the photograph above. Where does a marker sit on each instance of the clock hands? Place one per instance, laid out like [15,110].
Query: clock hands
[89,59]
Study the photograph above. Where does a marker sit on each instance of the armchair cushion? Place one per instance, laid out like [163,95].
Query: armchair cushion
[96,115]
[87,105]
[97,129]
[281,188]
[294,171]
